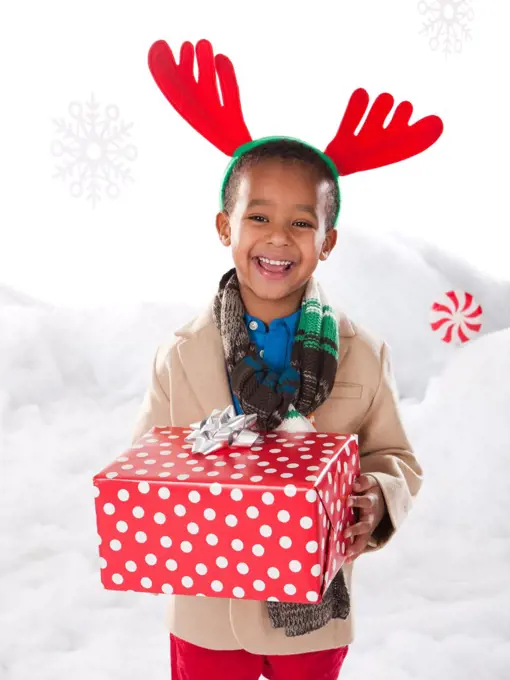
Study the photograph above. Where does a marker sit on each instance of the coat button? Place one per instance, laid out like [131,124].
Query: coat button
[261,354]
[253,325]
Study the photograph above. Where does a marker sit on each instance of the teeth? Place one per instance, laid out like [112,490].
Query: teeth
[274,262]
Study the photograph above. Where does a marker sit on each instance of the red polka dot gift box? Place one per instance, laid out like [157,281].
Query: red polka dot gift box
[261,522]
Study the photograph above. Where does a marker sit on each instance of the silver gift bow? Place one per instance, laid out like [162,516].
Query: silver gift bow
[223,428]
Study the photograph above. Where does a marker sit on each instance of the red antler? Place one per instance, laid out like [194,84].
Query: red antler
[375,146]
[198,102]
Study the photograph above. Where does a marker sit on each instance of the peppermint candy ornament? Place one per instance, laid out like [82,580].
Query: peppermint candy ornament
[457,316]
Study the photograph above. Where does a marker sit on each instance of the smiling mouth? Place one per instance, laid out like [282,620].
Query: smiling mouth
[273,269]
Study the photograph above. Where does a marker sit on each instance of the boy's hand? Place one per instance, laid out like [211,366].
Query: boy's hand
[370,501]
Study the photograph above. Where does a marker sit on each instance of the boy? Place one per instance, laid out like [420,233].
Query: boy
[277,223]
[270,344]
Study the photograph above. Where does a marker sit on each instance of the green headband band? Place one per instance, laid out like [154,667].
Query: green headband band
[240,151]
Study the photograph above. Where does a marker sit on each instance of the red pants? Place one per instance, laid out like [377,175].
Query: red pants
[190,662]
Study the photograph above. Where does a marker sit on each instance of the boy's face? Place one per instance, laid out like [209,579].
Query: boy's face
[277,228]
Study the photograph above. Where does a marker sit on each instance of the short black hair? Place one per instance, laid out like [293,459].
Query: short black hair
[286,150]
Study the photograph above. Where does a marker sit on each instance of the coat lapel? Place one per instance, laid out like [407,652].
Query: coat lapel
[203,360]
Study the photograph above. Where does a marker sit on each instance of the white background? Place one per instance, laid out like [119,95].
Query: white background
[297,68]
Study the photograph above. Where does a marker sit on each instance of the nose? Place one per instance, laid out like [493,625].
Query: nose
[278,235]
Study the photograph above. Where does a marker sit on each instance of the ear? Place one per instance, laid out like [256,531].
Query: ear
[223,228]
[329,244]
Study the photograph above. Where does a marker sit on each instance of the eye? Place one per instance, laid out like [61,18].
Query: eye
[257,218]
[303,225]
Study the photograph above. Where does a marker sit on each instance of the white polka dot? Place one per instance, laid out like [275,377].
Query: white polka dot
[282,459]
[123,495]
[242,568]
[167,589]
[197,469]
[163,474]
[115,545]
[290,490]
[109,475]
[338,505]
[117,579]
[140,472]
[212,539]
[159,518]
[303,448]
[122,527]
[270,471]
[109,508]
[180,510]
[239,466]
[169,464]
[131,566]
[194,497]
[285,542]
[256,479]
[266,530]
[286,475]
[313,468]
[312,546]
[267,498]
[293,465]
[312,596]
[193,528]
[187,581]
[273,572]
[259,585]
[322,435]
[231,520]
[238,592]
[138,512]
[289,445]
[316,570]
[236,494]
[237,545]
[222,562]
[283,516]
[311,478]
[103,563]
[171,565]
[181,478]
[258,550]
[201,569]
[272,599]
[166,541]
[252,512]
[186,547]
[238,475]
[127,467]
[263,463]
[164,493]
[140,537]
[144,487]
[97,492]
[306,522]
[215,489]
[217,586]
[295,566]
[311,496]
[151,559]
[275,450]
[209,514]
[289,589]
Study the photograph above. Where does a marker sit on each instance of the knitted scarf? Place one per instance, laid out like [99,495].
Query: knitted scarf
[284,402]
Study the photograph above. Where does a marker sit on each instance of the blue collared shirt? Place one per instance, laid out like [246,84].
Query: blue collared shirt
[273,342]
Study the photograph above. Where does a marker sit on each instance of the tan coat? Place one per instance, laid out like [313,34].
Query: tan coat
[189,381]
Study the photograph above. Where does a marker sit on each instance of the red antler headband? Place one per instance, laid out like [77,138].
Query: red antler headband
[198,102]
